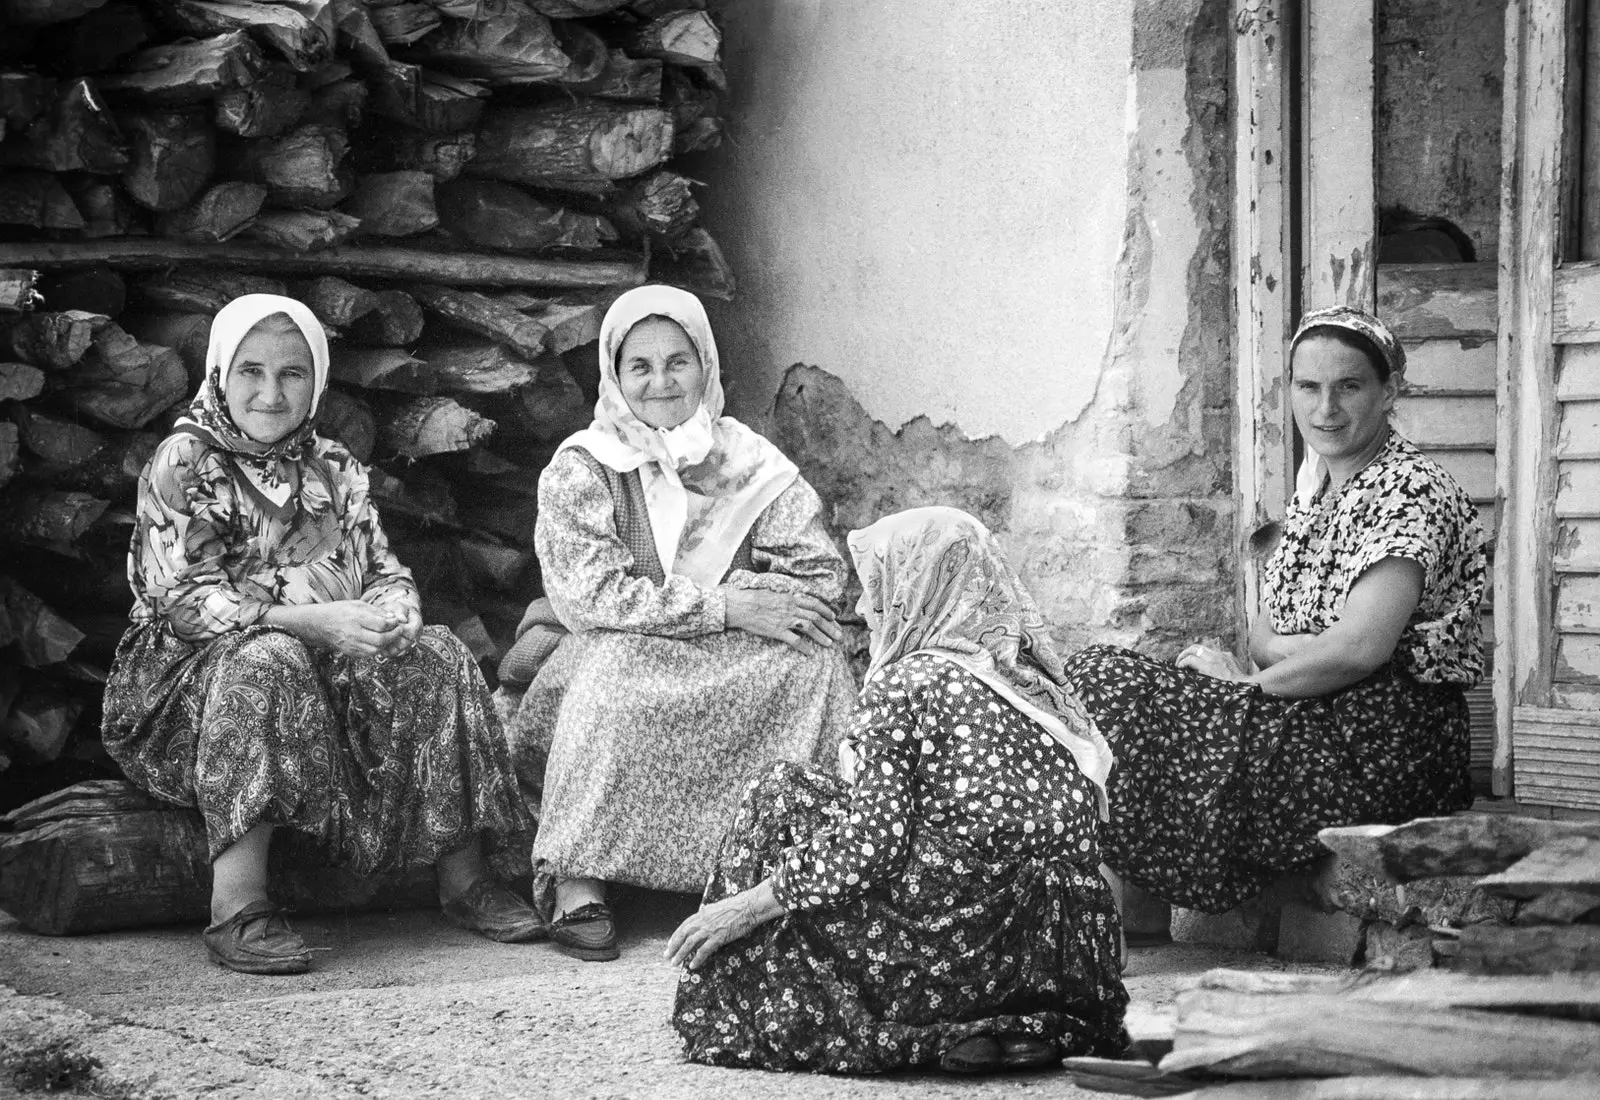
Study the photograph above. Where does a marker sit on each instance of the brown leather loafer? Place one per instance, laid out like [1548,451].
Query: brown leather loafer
[588,932]
[257,940]
[1019,1051]
[489,908]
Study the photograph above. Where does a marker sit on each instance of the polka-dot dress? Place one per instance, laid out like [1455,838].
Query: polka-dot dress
[951,890]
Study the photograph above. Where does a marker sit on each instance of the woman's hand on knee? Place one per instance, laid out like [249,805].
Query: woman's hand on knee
[720,923]
[796,619]
[409,631]
[1216,663]
[352,627]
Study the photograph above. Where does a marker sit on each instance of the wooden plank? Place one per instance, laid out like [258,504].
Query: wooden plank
[1577,303]
[1577,488]
[1578,430]
[1557,763]
[1473,471]
[1262,280]
[1339,215]
[1575,697]
[1428,301]
[1447,422]
[1578,373]
[1372,1086]
[1578,603]
[1447,366]
[1577,546]
[1575,996]
[1578,661]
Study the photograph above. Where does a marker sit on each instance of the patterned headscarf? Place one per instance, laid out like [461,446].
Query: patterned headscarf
[1375,334]
[271,470]
[935,582]
[706,481]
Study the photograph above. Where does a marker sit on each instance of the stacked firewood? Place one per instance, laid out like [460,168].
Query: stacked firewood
[458,189]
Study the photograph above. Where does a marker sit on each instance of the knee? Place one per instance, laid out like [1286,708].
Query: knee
[275,655]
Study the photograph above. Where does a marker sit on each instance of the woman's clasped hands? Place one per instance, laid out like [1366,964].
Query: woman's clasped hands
[353,627]
[794,618]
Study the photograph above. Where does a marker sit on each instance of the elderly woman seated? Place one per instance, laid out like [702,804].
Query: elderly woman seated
[688,559]
[1368,641]
[277,673]
[943,903]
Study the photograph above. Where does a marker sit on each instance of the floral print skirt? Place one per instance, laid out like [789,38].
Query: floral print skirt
[380,762]
[1218,787]
[896,978]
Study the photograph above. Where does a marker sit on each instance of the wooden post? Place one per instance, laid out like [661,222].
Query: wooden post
[1339,194]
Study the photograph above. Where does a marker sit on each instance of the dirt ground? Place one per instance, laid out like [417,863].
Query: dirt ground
[402,1005]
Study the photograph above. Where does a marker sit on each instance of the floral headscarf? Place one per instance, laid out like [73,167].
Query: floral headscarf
[935,582]
[708,480]
[271,470]
[1374,333]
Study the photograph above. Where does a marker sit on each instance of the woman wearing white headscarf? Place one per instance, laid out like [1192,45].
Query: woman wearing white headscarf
[689,560]
[277,673]
[943,902]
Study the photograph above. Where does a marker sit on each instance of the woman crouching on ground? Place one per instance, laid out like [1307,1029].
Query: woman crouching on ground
[943,904]
[1368,641]
[277,673]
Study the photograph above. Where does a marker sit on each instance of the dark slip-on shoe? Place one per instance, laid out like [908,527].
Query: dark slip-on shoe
[490,908]
[1018,1051]
[589,932]
[974,1054]
[257,940]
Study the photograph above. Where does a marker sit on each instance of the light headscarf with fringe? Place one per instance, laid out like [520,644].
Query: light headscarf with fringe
[935,582]
[706,481]
[271,471]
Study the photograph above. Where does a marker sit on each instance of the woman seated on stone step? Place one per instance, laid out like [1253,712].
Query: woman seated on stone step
[277,674]
[688,558]
[1366,645]
[942,903]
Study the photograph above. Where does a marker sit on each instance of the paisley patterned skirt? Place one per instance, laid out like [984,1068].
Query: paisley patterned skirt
[1219,788]
[381,762]
[877,984]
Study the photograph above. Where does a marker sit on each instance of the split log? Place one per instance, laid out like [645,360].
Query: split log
[58,442]
[301,32]
[395,320]
[426,100]
[41,719]
[493,214]
[624,77]
[546,410]
[204,291]
[581,143]
[394,204]
[10,450]
[303,230]
[349,420]
[696,113]
[398,148]
[96,42]
[304,168]
[509,43]
[1540,949]
[93,290]
[486,317]
[78,134]
[105,209]
[336,303]
[655,9]
[474,366]
[36,200]
[265,108]
[19,382]
[659,205]
[122,383]
[430,426]
[23,98]
[37,13]
[452,268]
[509,517]
[356,36]
[427,502]
[380,369]
[402,24]
[188,71]
[18,290]
[188,334]
[694,262]
[43,517]
[54,340]
[111,473]
[575,9]
[341,103]
[41,637]
[495,565]
[688,39]
[218,215]
[1566,863]
[1466,844]
[173,156]
[570,324]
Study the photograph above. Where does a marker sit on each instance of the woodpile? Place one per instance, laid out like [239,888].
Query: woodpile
[458,188]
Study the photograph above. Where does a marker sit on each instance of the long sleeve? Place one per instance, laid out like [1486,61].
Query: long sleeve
[587,569]
[386,582]
[866,851]
[792,549]
[186,507]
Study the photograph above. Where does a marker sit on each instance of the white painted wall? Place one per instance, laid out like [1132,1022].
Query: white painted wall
[925,199]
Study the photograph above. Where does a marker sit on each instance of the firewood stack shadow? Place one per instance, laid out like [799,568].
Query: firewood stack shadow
[458,189]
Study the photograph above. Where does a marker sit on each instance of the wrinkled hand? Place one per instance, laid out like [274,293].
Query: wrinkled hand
[720,923]
[354,628]
[1216,663]
[410,631]
[793,618]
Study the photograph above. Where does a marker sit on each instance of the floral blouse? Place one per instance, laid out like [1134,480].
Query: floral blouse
[1401,505]
[948,768]
[587,567]
[208,557]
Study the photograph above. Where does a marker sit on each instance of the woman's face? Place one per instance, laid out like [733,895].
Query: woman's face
[1339,405]
[270,383]
[660,373]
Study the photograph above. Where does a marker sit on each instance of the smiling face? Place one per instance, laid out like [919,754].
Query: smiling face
[271,383]
[660,373]
[1340,406]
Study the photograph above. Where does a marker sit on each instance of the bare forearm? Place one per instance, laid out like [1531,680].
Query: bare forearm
[1320,666]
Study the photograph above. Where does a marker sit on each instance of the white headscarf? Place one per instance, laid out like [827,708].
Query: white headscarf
[708,480]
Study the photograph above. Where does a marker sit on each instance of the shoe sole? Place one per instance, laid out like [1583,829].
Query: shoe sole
[531,934]
[271,967]
[588,954]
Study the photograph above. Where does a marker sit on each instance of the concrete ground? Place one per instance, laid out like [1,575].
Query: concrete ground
[402,1005]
